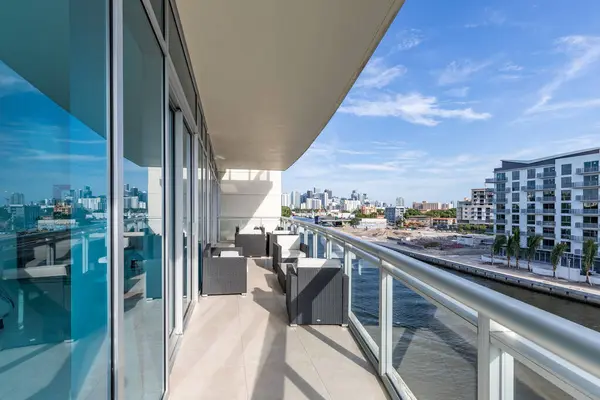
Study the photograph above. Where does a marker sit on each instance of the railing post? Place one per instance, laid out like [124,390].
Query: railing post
[385,321]
[495,368]
[85,252]
[328,248]
[315,245]
[348,268]
[305,231]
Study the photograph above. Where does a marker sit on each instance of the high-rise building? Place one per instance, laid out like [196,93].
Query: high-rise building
[285,199]
[400,201]
[329,193]
[555,197]
[317,190]
[17,198]
[310,194]
[427,206]
[324,197]
[350,205]
[354,195]
[295,199]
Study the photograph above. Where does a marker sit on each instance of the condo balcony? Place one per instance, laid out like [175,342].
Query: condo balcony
[546,247]
[549,234]
[538,211]
[593,184]
[545,223]
[588,170]
[500,200]
[585,211]
[589,198]
[546,199]
[499,179]
[502,190]
[549,186]
[585,225]
[546,174]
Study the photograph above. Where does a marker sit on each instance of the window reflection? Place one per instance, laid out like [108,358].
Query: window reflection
[143,207]
[54,339]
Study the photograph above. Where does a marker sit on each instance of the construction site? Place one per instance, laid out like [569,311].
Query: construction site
[427,240]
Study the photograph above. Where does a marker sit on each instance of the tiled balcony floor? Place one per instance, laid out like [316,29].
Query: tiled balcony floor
[239,347]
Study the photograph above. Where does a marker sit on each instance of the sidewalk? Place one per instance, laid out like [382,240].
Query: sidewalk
[472,264]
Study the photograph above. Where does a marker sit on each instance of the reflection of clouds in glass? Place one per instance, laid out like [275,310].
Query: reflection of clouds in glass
[11,82]
[40,155]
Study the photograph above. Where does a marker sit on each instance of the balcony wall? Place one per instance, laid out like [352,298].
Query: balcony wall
[249,197]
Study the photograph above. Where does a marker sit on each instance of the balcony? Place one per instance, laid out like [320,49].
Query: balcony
[505,190]
[593,184]
[586,225]
[500,200]
[547,248]
[463,311]
[549,186]
[550,235]
[539,211]
[501,221]
[546,199]
[587,170]
[592,198]
[505,211]
[546,174]
[496,180]
[585,211]
[572,238]
[545,223]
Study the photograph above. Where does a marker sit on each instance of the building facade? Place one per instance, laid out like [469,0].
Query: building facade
[392,214]
[400,201]
[285,199]
[555,197]
[427,206]
[478,209]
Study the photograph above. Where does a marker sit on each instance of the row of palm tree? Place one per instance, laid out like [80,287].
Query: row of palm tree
[512,245]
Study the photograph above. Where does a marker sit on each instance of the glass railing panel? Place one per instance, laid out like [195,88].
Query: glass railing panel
[433,349]
[365,296]
[529,385]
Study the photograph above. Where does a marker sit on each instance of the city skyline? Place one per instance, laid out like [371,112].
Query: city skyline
[430,118]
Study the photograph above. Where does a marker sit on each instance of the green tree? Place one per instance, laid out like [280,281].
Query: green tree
[354,222]
[286,211]
[399,222]
[590,250]
[499,243]
[517,246]
[533,242]
[510,248]
[556,255]
[411,212]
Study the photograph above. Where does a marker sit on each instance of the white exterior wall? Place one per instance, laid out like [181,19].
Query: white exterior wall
[249,197]
[576,162]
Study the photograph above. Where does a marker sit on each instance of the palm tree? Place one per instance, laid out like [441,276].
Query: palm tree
[517,246]
[590,250]
[556,255]
[510,248]
[499,243]
[533,242]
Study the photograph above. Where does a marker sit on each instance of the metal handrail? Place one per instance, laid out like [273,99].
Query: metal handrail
[570,341]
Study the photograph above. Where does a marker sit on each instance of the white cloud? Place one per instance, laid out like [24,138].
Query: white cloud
[377,75]
[76,141]
[510,67]
[458,92]
[354,152]
[40,155]
[456,71]
[583,52]
[491,18]
[408,39]
[568,105]
[390,166]
[414,108]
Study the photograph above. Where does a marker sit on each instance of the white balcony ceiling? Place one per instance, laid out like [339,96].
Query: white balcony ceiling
[271,73]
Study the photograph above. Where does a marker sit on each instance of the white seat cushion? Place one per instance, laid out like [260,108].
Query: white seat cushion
[292,254]
[250,230]
[289,242]
[318,263]
[230,253]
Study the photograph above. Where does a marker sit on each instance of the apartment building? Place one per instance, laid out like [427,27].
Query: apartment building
[478,209]
[555,197]
[392,214]
[426,206]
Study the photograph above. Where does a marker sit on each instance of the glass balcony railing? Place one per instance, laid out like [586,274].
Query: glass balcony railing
[587,170]
[586,225]
[431,334]
[545,223]
[539,211]
[546,199]
[548,234]
[546,174]
[585,211]
[496,179]
[548,186]
[593,198]
[586,184]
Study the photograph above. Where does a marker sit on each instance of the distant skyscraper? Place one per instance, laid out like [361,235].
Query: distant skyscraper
[354,195]
[317,190]
[400,201]
[309,194]
[285,199]
[58,190]
[295,199]
[329,193]
[17,198]
[87,192]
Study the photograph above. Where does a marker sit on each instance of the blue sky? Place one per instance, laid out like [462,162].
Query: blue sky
[453,88]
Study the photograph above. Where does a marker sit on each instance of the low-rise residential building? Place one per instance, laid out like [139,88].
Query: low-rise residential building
[392,214]
[555,197]
[372,223]
[426,206]
[368,209]
[478,209]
